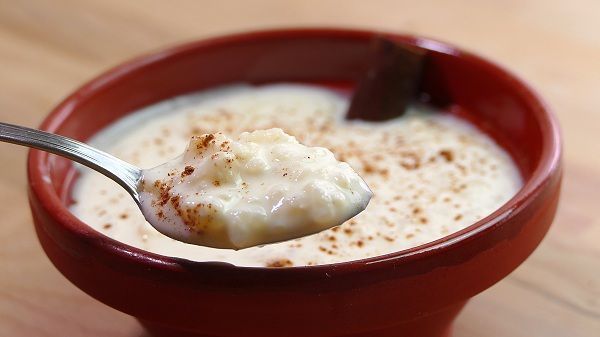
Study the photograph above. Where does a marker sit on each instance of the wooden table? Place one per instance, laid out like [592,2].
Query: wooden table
[48,48]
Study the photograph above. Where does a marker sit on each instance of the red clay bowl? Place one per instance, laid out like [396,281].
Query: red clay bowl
[415,292]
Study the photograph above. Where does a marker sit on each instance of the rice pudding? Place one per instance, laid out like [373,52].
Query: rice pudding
[431,173]
[260,188]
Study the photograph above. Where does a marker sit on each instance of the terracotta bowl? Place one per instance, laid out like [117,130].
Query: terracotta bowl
[414,292]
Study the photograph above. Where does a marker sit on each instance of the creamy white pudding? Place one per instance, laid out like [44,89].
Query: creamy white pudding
[263,187]
[431,173]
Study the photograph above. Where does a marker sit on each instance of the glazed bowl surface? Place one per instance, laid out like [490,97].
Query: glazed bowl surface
[414,292]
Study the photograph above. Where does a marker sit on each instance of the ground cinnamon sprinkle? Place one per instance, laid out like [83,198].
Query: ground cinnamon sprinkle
[225,146]
[187,171]
[106,226]
[175,201]
[368,168]
[163,190]
[279,263]
[447,154]
[206,140]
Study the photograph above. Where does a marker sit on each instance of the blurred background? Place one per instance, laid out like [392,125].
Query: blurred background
[49,48]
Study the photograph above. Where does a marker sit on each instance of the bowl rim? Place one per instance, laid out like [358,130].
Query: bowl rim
[41,185]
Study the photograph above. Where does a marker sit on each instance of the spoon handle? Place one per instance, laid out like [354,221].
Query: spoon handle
[122,172]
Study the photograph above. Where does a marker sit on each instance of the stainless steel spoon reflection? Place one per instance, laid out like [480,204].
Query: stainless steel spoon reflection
[122,172]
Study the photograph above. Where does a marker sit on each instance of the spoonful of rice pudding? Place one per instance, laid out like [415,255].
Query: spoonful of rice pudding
[260,188]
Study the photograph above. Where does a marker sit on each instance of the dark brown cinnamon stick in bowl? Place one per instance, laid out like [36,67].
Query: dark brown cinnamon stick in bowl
[390,82]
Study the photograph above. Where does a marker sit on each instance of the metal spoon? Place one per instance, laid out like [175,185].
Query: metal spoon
[125,174]
[131,179]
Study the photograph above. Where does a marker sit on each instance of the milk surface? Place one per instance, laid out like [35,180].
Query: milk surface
[431,173]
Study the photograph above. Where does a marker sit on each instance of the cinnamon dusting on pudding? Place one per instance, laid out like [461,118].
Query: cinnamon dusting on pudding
[424,162]
[224,206]
[187,171]
[279,263]
[447,155]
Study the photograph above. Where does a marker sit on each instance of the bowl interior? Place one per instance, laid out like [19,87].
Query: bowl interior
[464,84]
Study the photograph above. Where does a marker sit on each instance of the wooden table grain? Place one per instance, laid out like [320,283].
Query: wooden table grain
[48,48]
